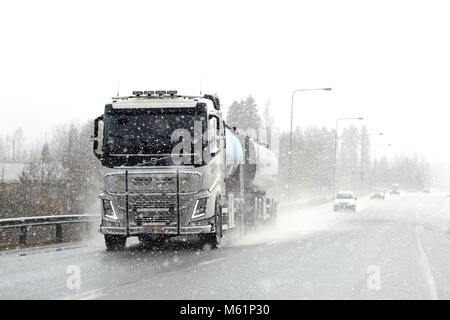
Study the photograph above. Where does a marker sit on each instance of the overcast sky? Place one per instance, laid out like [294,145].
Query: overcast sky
[388,61]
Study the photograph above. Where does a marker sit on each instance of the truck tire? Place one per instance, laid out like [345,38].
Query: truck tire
[214,239]
[114,242]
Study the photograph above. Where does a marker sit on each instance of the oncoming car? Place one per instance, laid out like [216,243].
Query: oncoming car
[378,195]
[345,200]
[395,189]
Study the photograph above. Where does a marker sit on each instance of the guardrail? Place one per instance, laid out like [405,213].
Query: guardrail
[25,222]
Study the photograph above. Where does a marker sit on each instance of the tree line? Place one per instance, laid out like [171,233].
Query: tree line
[61,176]
[321,164]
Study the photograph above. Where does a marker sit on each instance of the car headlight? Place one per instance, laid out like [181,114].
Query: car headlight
[200,208]
[108,209]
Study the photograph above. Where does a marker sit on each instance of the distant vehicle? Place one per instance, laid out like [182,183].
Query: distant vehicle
[345,200]
[427,191]
[378,195]
[395,189]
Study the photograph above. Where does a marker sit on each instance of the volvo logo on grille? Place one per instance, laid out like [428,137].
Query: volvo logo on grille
[153,160]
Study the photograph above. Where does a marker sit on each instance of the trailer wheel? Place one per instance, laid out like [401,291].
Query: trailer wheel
[114,242]
[214,239]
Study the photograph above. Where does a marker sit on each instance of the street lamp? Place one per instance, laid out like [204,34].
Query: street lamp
[290,134]
[335,149]
[375,165]
[362,159]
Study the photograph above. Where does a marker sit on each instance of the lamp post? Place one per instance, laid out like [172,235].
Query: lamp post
[362,159]
[290,134]
[375,164]
[335,149]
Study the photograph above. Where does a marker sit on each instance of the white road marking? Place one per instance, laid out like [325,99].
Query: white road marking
[271,243]
[426,267]
[210,261]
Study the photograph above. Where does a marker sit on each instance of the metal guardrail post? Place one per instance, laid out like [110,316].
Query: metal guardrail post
[59,233]
[23,235]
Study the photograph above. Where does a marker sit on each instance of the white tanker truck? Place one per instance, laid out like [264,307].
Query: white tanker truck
[175,168]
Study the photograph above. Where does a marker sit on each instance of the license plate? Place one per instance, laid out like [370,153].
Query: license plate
[155,229]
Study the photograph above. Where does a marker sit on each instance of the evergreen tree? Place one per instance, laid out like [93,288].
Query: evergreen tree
[348,168]
[244,116]
[234,114]
[364,159]
[251,117]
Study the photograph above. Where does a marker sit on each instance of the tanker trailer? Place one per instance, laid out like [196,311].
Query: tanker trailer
[174,168]
[260,170]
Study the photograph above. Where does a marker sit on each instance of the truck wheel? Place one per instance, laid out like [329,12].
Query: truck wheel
[214,239]
[114,242]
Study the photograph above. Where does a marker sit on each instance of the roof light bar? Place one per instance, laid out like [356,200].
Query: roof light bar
[158,92]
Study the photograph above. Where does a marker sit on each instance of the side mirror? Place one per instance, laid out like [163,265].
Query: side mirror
[95,138]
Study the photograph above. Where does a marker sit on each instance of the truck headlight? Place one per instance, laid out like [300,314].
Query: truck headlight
[200,223]
[108,210]
[200,208]
[115,183]
[189,182]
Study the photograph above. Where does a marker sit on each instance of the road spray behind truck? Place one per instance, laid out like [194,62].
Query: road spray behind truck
[175,168]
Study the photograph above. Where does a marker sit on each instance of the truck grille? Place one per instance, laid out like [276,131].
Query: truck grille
[152,198]
[152,183]
[141,202]
[155,208]
[163,218]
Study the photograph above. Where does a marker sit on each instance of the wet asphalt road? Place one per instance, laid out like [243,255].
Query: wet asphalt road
[393,249]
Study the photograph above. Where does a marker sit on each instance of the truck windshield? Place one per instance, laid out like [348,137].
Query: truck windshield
[143,131]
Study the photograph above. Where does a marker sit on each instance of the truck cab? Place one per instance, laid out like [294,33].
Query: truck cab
[164,156]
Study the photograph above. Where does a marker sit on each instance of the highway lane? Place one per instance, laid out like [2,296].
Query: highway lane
[393,249]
